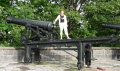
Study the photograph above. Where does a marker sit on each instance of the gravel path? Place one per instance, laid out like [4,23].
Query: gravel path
[108,65]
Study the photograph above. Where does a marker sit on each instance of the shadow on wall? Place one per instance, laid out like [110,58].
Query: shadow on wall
[20,54]
[55,55]
[116,53]
[59,55]
[47,55]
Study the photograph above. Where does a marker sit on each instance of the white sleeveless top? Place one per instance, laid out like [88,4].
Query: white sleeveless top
[61,19]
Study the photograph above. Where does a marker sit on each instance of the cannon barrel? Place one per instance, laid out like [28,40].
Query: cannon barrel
[112,26]
[47,25]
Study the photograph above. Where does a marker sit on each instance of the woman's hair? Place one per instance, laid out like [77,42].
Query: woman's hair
[61,10]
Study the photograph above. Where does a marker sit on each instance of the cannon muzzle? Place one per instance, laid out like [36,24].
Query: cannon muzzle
[112,26]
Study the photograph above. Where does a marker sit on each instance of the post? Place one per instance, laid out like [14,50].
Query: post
[80,59]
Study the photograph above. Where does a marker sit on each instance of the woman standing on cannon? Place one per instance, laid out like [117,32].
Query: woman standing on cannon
[62,24]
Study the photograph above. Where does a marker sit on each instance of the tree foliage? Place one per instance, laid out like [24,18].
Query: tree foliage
[84,16]
[99,12]
[46,10]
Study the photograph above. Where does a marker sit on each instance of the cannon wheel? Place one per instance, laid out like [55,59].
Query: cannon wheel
[88,59]
[88,55]
[35,55]
[79,66]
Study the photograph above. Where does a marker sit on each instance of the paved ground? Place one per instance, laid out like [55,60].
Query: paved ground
[108,65]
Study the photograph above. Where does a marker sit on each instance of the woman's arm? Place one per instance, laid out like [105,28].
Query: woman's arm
[56,19]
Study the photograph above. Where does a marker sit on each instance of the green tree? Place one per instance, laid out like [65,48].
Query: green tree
[10,33]
[84,16]
[99,12]
[46,10]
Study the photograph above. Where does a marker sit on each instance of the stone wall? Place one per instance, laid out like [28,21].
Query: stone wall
[106,52]
[11,54]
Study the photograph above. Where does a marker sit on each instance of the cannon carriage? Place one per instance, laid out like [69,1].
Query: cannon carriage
[40,34]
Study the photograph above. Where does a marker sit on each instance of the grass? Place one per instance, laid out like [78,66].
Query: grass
[41,63]
[72,68]
[116,66]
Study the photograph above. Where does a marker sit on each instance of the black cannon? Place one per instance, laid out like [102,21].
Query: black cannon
[83,47]
[47,25]
[34,30]
[40,34]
